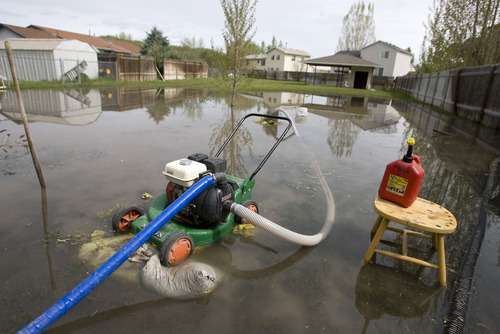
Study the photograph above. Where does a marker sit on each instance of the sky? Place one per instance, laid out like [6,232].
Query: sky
[312,25]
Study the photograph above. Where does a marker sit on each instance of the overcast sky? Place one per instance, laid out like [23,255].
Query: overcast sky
[311,25]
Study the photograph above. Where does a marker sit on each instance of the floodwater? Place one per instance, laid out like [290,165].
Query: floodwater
[100,149]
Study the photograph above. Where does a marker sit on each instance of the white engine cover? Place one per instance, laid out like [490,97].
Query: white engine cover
[184,172]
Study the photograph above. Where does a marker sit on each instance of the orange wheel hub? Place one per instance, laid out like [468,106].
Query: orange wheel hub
[127,219]
[180,250]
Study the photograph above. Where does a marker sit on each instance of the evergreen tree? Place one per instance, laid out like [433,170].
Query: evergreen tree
[156,45]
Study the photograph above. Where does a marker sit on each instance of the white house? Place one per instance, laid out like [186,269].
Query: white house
[393,61]
[280,59]
[49,59]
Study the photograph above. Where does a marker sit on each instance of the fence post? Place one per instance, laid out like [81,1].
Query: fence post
[436,82]
[78,71]
[457,91]
[487,93]
[140,68]
[62,71]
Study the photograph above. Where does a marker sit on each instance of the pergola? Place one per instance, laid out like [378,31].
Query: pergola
[360,70]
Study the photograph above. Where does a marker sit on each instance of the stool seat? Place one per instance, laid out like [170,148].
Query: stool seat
[422,215]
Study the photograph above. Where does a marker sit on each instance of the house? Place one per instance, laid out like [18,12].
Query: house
[393,61]
[347,66]
[49,59]
[280,59]
[103,45]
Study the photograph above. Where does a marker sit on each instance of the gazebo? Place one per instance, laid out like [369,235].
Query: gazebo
[359,70]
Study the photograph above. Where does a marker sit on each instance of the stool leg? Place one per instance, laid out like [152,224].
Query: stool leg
[404,243]
[434,241]
[375,226]
[376,240]
[441,261]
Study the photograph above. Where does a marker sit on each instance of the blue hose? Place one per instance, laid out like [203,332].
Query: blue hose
[72,298]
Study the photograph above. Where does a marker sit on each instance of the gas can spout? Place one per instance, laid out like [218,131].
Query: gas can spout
[409,154]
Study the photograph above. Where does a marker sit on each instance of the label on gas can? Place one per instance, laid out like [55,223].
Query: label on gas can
[396,185]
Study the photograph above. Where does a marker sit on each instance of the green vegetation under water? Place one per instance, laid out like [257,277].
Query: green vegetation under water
[250,85]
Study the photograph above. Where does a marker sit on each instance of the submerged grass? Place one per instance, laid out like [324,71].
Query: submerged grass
[250,85]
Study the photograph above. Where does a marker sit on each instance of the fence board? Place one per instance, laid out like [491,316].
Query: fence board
[136,68]
[470,93]
[174,69]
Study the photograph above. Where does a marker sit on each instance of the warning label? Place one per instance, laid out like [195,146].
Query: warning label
[396,185]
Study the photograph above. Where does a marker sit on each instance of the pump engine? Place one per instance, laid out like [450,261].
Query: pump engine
[206,209]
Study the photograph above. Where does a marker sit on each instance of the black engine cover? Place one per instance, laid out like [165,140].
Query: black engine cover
[206,209]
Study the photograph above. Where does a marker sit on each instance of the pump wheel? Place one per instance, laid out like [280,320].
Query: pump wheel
[177,247]
[250,205]
[125,216]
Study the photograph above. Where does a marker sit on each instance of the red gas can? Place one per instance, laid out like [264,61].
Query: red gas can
[402,179]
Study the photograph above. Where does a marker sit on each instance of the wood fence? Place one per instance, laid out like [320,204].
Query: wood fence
[179,69]
[136,68]
[471,92]
[127,67]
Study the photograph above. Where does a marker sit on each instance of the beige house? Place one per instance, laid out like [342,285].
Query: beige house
[392,61]
[280,59]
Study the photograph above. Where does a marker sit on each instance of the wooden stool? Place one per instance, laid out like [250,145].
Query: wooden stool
[422,215]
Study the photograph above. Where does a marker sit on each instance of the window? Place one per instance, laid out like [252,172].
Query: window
[263,62]
[293,58]
[278,57]
[381,71]
[272,57]
[384,54]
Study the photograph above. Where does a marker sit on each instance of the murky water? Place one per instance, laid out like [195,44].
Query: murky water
[102,149]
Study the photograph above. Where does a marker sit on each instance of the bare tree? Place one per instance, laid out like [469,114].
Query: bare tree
[238,33]
[358,28]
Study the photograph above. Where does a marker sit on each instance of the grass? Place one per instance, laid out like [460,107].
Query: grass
[252,85]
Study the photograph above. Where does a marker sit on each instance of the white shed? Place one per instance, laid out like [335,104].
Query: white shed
[49,59]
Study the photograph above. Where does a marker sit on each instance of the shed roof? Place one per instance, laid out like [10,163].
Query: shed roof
[28,32]
[98,42]
[43,44]
[341,59]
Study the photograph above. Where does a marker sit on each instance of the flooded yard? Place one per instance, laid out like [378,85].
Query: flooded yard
[102,149]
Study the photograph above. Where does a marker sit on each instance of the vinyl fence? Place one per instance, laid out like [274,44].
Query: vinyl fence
[471,92]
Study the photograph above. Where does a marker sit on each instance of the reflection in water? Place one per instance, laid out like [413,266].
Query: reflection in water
[124,314]
[382,290]
[71,106]
[84,186]
[242,141]
[342,136]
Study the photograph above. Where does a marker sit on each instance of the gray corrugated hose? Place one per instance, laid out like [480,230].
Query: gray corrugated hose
[281,232]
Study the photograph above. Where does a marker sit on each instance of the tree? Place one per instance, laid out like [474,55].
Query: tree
[461,33]
[358,28]
[156,45]
[238,33]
